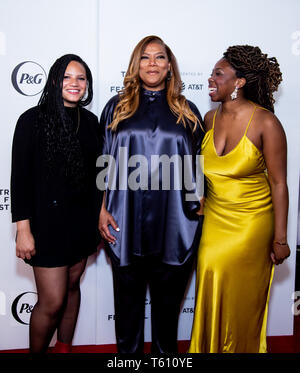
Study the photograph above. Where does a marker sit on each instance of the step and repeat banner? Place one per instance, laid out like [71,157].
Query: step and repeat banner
[34,33]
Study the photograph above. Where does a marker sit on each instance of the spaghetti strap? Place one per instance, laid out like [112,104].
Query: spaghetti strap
[214,118]
[245,134]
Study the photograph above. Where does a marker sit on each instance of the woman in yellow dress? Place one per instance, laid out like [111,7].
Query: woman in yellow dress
[245,224]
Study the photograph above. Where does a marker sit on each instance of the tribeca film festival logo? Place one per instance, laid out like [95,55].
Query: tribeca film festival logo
[28,78]
[165,172]
[22,307]
[112,317]
[4,199]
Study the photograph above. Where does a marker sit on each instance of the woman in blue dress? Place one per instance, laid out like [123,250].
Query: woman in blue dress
[149,211]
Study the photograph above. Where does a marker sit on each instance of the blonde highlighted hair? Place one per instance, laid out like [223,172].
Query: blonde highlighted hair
[130,94]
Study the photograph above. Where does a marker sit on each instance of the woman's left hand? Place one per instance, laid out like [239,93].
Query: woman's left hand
[280,252]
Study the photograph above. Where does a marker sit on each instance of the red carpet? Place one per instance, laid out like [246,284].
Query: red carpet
[281,344]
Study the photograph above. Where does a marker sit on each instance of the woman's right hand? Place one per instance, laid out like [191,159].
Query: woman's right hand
[106,219]
[201,210]
[25,245]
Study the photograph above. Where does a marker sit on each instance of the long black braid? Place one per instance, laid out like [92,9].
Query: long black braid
[61,146]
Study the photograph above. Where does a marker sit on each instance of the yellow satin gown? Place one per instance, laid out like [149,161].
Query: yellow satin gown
[234,268]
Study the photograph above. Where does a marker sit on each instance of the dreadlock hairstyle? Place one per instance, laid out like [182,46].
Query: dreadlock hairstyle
[129,95]
[61,147]
[262,74]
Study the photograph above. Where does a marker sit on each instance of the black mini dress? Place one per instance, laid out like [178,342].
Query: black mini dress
[63,220]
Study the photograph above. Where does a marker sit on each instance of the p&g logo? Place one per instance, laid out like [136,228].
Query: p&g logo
[28,78]
[22,307]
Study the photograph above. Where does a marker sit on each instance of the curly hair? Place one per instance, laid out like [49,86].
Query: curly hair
[61,146]
[129,96]
[262,74]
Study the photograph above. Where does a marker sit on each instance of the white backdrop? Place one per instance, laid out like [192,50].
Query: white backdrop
[104,34]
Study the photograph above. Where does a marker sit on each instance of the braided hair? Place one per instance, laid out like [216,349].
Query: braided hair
[61,146]
[262,74]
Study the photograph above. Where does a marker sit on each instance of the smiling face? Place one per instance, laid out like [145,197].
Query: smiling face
[223,81]
[74,84]
[154,66]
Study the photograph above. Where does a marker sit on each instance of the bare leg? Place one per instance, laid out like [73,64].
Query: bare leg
[51,286]
[69,316]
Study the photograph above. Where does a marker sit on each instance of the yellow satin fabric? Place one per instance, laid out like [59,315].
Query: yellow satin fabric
[234,269]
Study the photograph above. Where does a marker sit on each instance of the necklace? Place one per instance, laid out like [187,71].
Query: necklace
[78,120]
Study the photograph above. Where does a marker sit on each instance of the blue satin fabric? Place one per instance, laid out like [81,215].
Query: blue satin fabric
[152,222]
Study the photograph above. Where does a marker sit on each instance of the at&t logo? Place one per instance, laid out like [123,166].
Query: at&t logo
[22,307]
[28,78]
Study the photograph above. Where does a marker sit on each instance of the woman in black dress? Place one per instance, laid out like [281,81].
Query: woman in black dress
[150,225]
[54,198]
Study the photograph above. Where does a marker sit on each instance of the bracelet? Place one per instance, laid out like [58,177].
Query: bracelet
[281,243]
